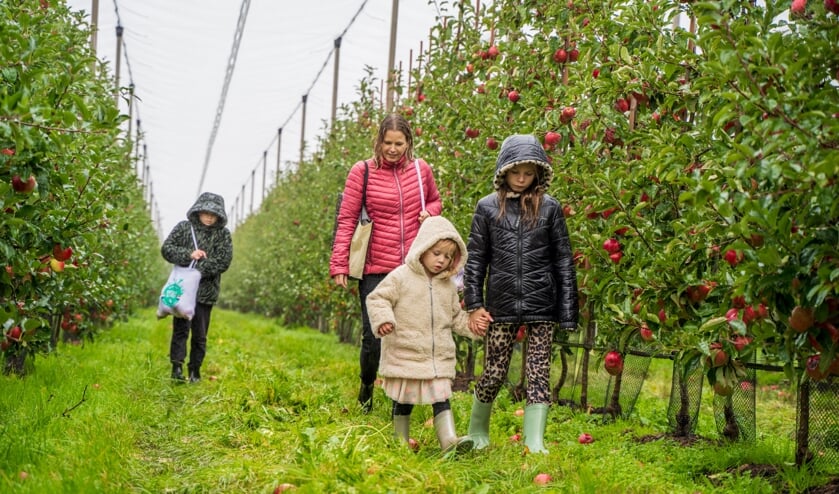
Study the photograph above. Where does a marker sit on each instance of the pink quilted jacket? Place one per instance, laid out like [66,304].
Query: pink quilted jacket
[393,203]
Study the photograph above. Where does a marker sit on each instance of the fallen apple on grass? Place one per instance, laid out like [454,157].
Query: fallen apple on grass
[585,438]
[542,479]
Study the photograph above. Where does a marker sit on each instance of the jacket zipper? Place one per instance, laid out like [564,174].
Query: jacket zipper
[433,339]
[401,216]
[518,257]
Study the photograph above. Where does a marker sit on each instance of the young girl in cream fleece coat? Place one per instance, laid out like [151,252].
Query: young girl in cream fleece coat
[414,311]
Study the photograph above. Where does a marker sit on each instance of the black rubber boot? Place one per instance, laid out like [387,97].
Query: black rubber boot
[178,373]
[194,375]
[365,397]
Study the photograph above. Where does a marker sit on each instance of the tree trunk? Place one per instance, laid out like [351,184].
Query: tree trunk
[731,431]
[589,344]
[802,440]
[563,375]
[683,416]
[14,363]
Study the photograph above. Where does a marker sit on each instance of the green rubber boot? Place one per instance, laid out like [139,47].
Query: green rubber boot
[535,417]
[449,440]
[479,423]
[402,427]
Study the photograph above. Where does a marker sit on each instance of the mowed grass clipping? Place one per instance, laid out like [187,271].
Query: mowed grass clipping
[277,406]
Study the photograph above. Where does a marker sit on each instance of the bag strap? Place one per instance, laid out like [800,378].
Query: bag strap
[419,182]
[195,243]
[363,217]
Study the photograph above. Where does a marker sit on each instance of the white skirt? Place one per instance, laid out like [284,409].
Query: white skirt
[417,391]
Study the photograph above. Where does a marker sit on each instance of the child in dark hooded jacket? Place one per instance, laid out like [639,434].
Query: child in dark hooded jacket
[208,219]
[520,272]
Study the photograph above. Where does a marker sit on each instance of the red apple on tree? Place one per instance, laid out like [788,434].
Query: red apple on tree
[611,245]
[732,257]
[717,357]
[622,105]
[492,143]
[567,114]
[613,363]
[560,55]
[551,138]
[521,333]
[513,96]
[62,254]
[801,319]
[472,133]
[492,52]
[14,333]
[24,187]
[646,333]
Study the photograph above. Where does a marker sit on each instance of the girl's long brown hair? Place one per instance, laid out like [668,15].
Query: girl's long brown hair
[530,200]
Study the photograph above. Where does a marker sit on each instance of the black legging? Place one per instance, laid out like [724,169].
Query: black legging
[407,408]
[371,347]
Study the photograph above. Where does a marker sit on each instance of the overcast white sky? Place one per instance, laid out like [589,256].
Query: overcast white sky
[178,52]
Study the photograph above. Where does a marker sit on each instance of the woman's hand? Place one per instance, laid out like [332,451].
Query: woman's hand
[385,329]
[479,321]
[423,215]
[340,280]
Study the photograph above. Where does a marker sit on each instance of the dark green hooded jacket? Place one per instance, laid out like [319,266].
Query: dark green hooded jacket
[214,240]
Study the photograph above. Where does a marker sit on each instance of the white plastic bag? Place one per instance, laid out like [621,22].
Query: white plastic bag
[179,294]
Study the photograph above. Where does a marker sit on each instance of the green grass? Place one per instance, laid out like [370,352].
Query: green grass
[104,417]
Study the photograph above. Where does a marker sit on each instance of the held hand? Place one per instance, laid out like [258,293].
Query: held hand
[479,321]
[340,280]
[198,254]
[423,215]
[385,329]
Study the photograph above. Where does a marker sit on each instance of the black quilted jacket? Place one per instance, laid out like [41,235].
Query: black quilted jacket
[529,273]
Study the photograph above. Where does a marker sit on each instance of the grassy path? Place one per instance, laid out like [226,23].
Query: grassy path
[277,406]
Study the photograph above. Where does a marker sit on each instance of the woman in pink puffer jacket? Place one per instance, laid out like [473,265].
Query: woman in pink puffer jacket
[397,187]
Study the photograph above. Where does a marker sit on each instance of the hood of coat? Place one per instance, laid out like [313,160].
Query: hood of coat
[432,230]
[518,149]
[209,203]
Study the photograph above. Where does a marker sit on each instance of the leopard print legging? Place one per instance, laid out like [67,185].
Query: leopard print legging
[499,350]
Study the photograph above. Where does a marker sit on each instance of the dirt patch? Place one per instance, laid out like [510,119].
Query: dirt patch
[831,487]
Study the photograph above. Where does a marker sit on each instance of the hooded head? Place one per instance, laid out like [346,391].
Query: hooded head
[432,230]
[518,149]
[208,203]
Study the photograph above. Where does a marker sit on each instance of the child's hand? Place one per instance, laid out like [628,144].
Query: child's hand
[385,329]
[198,254]
[479,321]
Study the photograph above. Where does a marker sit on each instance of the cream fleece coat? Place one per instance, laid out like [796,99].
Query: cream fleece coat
[423,311]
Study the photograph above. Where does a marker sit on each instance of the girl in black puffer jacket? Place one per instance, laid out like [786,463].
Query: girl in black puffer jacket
[519,249]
